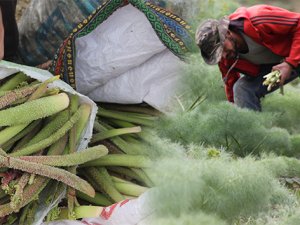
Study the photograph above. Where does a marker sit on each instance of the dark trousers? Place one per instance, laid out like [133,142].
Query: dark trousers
[249,90]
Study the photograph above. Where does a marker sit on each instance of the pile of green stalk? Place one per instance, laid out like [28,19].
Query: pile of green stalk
[40,128]
[122,173]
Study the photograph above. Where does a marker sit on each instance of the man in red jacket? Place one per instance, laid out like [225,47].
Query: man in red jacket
[249,44]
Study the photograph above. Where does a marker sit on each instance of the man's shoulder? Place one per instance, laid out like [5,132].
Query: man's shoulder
[255,10]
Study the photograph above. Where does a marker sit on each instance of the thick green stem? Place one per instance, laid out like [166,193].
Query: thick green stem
[119,123]
[81,125]
[51,139]
[114,132]
[21,143]
[124,116]
[58,147]
[84,211]
[112,148]
[98,127]
[137,161]
[57,122]
[98,199]
[71,194]
[125,172]
[51,91]
[74,105]
[33,110]
[21,134]
[41,90]
[16,94]
[72,159]
[130,189]
[146,110]
[119,142]
[19,187]
[103,179]
[9,132]
[48,171]
[74,137]
[147,181]
[13,82]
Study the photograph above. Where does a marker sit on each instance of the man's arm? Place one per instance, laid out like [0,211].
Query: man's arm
[1,36]
[229,79]
[280,25]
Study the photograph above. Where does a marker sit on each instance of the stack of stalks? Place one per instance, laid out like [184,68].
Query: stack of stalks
[122,174]
[40,128]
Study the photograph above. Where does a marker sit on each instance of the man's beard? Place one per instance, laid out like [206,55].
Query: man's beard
[235,47]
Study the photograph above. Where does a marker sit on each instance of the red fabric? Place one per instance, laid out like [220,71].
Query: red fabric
[87,223]
[108,211]
[273,27]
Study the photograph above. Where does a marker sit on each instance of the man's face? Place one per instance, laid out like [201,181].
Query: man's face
[230,50]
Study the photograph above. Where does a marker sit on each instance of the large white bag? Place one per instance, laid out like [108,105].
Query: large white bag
[123,61]
[126,52]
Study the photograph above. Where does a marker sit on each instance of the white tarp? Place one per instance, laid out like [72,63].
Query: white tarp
[123,61]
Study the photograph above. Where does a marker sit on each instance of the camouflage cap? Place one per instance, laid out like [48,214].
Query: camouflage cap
[210,37]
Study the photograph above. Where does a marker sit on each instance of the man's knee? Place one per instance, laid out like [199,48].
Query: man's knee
[242,87]
[244,95]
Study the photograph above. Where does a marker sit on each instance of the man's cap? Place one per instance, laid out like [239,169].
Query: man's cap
[210,37]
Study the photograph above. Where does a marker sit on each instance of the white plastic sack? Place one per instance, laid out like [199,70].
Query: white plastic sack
[8,68]
[153,82]
[127,212]
[123,61]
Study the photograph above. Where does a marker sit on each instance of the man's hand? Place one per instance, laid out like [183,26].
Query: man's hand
[45,66]
[285,71]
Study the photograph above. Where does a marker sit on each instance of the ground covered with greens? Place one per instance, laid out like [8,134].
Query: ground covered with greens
[216,163]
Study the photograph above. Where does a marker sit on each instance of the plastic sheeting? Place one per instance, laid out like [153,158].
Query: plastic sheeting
[123,61]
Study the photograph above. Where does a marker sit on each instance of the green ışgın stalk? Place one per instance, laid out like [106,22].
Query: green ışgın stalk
[33,110]
[9,132]
[57,122]
[104,181]
[20,135]
[114,132]
[51,139]
[42,88]
[130,189]
[48,171]
[13,81]
[16,94]
[124,116]
[138,161]
[71,159]
[99,199]
[83,211]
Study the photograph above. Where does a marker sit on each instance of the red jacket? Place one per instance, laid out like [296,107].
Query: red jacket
[275,28]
